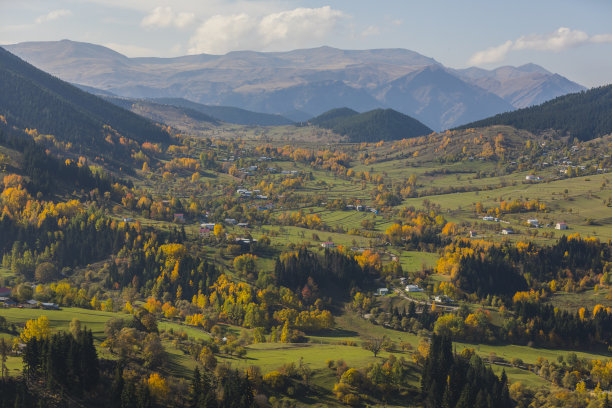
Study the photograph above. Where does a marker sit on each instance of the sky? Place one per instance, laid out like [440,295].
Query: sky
[570,37]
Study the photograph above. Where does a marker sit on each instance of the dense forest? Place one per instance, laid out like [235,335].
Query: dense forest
[584,115]
[372,126]
[30,98]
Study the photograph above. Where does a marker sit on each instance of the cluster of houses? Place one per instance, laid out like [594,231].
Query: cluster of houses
[351,207]
[534,223]
[7,301]
[208,228]
[244,193]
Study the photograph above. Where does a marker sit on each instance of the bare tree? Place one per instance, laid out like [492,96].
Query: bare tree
[375,344]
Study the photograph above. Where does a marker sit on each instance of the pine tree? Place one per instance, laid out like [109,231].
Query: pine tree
[196,388]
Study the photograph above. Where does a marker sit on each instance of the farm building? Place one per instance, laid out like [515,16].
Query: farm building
[328,244]
[413,288]
[561,226]
[507,231]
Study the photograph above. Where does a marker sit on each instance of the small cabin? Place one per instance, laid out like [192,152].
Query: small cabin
[507,231]
[561,226]
[328,244]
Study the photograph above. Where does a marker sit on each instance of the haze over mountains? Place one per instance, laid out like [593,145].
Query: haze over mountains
[304,83]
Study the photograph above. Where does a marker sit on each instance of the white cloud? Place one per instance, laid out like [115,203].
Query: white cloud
[558,40]
[286,29]
[166,17]
[492,54]
[53,15]
[370,30]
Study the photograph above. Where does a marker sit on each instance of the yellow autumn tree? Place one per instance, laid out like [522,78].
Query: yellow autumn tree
[158,386]
[36,328]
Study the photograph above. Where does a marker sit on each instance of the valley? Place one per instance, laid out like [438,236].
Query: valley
[200,257]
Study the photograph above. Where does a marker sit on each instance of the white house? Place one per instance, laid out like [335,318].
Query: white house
[561,226]
[328,244]
[507,231]
[533,223]
[382,291]
[413,288]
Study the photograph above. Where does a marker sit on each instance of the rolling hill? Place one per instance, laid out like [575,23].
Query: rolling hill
[584,115]
[305,83]
[31,98]
[372,126]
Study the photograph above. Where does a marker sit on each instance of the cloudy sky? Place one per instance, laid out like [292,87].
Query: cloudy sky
[569,37]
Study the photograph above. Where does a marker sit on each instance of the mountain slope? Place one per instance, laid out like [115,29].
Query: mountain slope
[372,126]
[305,83]
[34,99]
[160,112]
[440,100]
[584,115]
[227,113]
[522,86]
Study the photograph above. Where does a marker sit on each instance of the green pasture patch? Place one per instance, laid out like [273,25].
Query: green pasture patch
[526,377]
[270,356]
[413,261]
[60,319]
[574,301]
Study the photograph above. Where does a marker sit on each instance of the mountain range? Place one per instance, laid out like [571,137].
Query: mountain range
[304,83]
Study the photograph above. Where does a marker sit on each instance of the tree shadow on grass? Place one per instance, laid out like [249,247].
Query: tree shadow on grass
[338,332]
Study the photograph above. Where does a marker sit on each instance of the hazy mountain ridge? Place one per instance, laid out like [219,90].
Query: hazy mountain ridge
[196,111]
[523,86]
[312,81]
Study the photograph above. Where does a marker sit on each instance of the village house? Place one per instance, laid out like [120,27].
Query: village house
[561,226]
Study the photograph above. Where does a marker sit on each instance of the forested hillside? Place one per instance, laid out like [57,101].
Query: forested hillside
[372,126]
[84,123]
[585,115]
